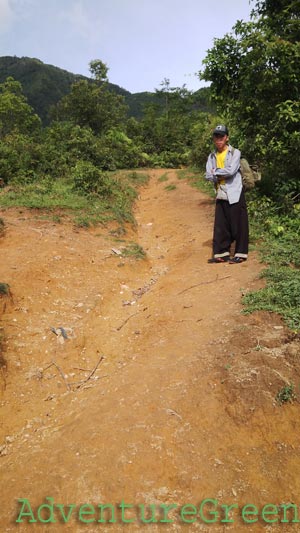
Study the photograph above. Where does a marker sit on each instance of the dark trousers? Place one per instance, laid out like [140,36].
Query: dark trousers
[231,224]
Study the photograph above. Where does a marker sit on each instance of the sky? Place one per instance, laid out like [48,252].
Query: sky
[141,41]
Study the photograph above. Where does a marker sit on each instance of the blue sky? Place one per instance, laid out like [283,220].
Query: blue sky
[141,41]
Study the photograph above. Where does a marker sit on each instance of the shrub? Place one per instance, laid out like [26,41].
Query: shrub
[90,179]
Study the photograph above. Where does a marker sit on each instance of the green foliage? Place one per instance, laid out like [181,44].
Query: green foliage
[109,197]
[163,177]
[286,394]
[16,115]
[124,153]
[196,179]
[255,74]
[279,243]
[137,178]
[201,133]
[279,234]
[281,295]
[4,289]
[20,156]
[99,70]
[93,106]
[165,131]
[134,250]
[89,179]
[44,85]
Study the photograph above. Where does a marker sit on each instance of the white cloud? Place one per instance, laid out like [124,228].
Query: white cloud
[6,15]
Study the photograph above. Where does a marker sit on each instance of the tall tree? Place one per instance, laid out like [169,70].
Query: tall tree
[93,104]
[16,115]
[99,70]
[255,74]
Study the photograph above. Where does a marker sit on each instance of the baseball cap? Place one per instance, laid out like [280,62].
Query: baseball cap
[221,129]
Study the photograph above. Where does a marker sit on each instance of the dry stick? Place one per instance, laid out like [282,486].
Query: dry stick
[79,383]
[60,371]
[83,369]
[203,283]
[125,321]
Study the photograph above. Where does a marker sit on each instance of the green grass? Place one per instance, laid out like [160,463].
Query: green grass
[196,179]
[170,187]
[286,394]
[281,295]
[84,209]
[134,250]
[4,289]
[278,241]
[163,177]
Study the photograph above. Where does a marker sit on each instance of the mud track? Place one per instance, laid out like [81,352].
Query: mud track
[162,393]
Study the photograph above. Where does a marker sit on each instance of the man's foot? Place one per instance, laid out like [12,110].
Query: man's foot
[237,260]
[224,259]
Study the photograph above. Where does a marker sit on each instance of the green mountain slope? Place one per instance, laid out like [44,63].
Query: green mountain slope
[44,85]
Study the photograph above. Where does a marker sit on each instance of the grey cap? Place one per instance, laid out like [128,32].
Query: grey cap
[221,129]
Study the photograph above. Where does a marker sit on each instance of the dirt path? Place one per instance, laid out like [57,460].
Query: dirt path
[180,409]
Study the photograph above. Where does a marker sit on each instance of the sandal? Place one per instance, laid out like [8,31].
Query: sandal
[237,260]
[224,259]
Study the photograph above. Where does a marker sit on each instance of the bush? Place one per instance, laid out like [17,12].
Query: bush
[20,157]
[90,179]
[168,159]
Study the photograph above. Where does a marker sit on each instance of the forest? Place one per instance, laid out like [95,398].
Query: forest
[70,157]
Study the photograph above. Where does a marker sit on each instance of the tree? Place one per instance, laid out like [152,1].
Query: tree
[99,70]
[92,106]
[255,74]
[16,115]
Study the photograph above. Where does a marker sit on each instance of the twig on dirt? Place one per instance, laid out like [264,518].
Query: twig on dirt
[82,369]
[173,412]
[203,283]
[38,231]
[79,383]
[125,321]
[59,370]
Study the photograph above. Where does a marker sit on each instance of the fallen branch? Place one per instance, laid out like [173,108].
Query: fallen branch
[125,321]
[82,369]
[59,370]
[203,283]
[79,383]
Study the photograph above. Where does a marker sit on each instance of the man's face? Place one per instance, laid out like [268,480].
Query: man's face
[220,141]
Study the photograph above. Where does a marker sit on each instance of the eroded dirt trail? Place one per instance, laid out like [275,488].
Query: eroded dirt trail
[181,407]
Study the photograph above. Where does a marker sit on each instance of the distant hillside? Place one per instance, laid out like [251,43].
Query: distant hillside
[44,85]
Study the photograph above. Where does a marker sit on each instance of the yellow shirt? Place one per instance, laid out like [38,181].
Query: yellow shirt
[221,162]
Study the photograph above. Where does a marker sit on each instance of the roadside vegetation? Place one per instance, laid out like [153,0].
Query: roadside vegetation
[277,234]
[84,161]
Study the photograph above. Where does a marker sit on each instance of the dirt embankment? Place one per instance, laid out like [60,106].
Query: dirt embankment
[140,380]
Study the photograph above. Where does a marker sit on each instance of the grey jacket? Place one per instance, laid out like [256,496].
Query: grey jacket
[231,173]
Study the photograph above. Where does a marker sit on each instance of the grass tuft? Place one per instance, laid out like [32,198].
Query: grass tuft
[134,250]
[286,394]
[4,289]
[112,201]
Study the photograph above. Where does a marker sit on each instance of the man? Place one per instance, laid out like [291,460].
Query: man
[231,217]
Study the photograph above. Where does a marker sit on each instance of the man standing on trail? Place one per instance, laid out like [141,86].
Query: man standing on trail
[231,217]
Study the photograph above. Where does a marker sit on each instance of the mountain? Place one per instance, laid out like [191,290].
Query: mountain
[44,85]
